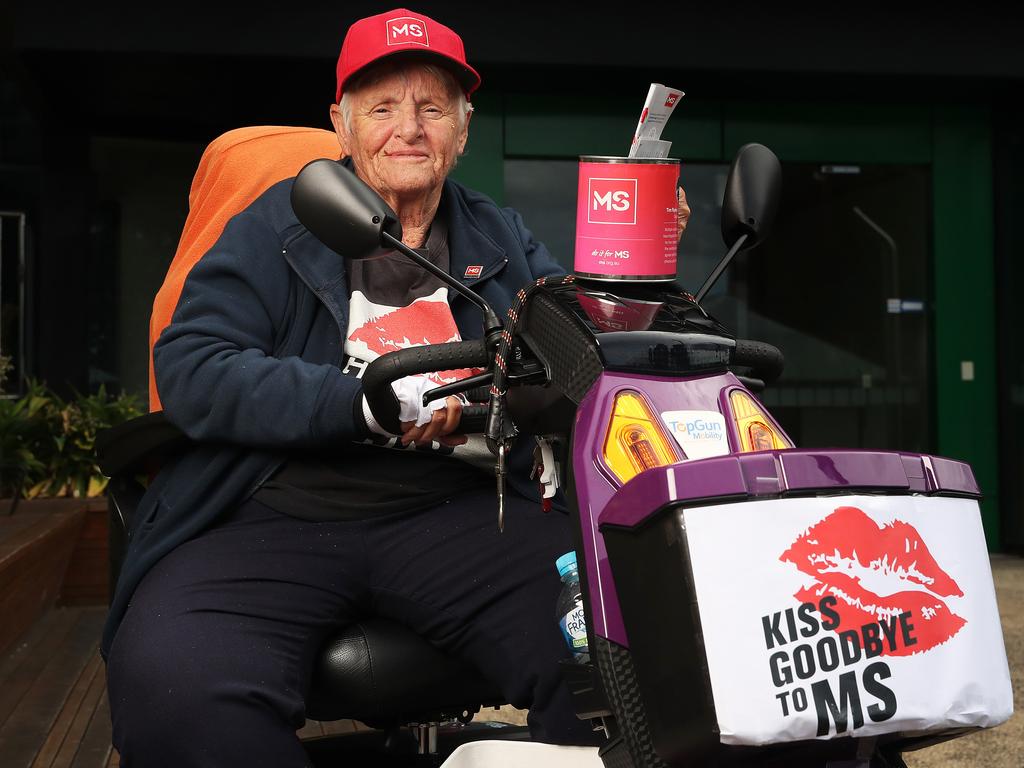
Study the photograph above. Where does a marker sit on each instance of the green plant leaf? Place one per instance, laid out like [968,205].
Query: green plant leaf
[47,444]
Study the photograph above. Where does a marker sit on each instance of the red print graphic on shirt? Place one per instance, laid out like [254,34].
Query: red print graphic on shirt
[384,329]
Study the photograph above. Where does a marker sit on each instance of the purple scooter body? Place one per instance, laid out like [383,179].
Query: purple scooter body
[738,475]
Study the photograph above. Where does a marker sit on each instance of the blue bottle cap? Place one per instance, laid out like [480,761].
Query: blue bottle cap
[566,563]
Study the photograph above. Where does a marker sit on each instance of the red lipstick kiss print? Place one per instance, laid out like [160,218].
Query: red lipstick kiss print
[876,573]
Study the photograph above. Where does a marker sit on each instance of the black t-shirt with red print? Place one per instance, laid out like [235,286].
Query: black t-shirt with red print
[393,304]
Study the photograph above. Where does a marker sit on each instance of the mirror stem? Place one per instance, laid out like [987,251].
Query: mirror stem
[492,324]
[717,271]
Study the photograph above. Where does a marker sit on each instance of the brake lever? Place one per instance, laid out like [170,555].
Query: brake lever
[456,387]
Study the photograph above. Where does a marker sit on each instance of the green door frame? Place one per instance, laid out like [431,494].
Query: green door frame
[954,140]
[965,311]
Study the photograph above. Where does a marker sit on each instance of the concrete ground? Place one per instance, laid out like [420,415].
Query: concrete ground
[1001,747]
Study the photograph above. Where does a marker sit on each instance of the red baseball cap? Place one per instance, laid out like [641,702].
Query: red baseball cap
[402,31]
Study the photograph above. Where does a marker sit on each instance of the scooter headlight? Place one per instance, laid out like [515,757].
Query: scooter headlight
[753,425]
[635,441]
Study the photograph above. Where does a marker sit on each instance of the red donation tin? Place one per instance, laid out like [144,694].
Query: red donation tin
[626,218]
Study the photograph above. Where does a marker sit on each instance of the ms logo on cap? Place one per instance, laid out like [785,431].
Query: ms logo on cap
[407,29]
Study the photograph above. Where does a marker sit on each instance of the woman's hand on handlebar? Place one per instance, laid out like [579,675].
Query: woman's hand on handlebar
[419,423]
[441,427]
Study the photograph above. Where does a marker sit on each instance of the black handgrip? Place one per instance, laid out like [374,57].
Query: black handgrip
[478,394]
[407,362]
[765,361]
[474,418]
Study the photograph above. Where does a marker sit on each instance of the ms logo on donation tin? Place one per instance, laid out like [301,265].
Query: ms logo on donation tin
[612,201]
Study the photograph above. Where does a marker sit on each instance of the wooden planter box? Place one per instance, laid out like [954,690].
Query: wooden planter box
[52,552]
[87,579]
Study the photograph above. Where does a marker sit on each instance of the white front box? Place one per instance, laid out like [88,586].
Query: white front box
[847,616]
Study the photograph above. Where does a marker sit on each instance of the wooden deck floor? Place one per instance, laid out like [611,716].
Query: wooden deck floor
[53,696]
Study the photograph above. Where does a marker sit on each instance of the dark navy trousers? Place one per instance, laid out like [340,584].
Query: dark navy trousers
[211,664]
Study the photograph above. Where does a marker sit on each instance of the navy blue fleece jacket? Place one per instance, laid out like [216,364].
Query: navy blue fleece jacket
[249,366]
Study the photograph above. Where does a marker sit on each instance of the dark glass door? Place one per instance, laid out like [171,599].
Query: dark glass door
[842,287]
[12,301]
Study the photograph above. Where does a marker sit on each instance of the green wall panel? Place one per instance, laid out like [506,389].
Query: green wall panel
[964,275]
[832,133]
[552,126]
[482,167]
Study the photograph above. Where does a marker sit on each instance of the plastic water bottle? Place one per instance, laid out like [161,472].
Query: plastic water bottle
[569,611]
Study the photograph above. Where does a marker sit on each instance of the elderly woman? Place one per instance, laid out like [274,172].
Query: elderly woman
[296,512]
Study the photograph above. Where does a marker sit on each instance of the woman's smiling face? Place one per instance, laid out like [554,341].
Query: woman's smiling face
[403,132]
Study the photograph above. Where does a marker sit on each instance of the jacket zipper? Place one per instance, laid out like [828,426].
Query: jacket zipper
[264,476]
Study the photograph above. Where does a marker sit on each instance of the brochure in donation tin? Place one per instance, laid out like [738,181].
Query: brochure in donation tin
[647,141]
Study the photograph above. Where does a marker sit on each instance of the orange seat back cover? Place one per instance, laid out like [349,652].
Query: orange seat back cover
[236,168]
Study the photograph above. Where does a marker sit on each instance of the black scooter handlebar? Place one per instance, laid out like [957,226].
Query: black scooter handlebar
[393,366]
[765,361]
